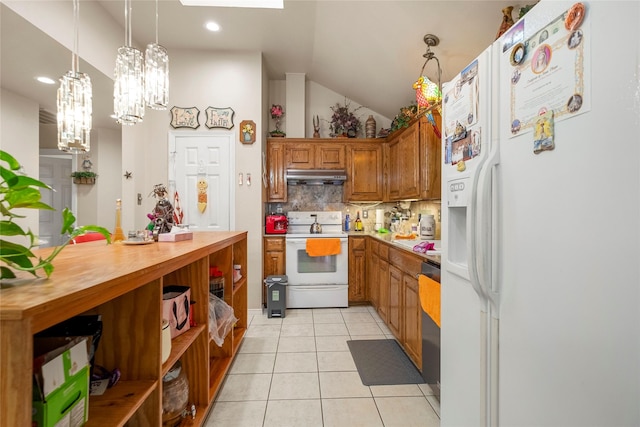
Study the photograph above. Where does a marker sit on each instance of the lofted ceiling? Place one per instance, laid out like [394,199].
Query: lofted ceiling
[368,51]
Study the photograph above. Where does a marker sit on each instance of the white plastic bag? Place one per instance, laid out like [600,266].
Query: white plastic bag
[221,319]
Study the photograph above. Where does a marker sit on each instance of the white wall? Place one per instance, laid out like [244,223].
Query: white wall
[19,137]
[96,203]
[203,79]
[99,34]
[319,100]
[106,163]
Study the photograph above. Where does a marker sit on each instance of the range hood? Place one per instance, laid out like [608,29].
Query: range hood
[315,176]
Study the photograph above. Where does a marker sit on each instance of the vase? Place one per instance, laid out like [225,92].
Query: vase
[370,127]
[118,234]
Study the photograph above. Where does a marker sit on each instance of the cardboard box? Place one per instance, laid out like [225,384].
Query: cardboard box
[175,237]
[61,386]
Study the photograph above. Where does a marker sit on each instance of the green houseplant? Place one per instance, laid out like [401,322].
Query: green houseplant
[84,177]
[23,192]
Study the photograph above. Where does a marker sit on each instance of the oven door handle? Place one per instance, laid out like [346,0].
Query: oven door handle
[311,288]
[303,241]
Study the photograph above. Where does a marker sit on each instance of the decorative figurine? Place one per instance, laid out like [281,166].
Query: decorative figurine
[163,211]
[316,126]
[507,21]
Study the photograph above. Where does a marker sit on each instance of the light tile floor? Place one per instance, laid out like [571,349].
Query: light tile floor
[298,372]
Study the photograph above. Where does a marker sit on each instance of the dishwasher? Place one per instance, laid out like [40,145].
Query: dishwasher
[430,334]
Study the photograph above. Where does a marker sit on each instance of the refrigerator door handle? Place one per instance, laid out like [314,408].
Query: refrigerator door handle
[472,227]
[484,240]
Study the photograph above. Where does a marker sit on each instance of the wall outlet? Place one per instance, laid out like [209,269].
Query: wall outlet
[365,214]
[439,215]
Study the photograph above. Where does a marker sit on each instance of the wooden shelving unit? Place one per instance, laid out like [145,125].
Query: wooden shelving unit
[121,283]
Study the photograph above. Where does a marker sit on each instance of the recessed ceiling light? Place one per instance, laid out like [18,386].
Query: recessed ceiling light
[212,26]
[263,4]
[45,80]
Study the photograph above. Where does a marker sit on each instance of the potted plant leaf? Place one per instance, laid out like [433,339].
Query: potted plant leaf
[23,192]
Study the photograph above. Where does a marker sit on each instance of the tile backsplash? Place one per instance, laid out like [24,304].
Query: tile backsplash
[329,198]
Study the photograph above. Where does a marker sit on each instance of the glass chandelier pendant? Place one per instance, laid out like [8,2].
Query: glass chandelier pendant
[74,102]
[128,89]
[156,74]
[128,94]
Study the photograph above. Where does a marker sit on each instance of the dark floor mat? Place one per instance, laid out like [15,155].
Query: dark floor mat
[383,362]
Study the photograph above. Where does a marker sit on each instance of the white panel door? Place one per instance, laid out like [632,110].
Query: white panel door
[55,172]
[205,157]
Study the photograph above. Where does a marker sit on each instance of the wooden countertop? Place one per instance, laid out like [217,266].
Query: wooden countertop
[88,274]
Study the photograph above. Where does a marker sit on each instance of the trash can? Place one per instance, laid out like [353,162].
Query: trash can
[276,295]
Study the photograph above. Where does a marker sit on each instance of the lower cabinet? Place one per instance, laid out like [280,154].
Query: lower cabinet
[357,270]
[373,288]
[383,285]
[393,290]
[274,260]
[412,338]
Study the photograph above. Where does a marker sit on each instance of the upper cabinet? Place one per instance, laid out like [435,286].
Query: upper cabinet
[302,154]
[365,175]
[277,188]
[405,166]
[413,162]
[431,146]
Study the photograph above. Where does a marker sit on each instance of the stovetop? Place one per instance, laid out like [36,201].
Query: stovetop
[299,224]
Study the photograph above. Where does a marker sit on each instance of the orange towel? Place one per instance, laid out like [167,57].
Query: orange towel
[430,297]
[323,247]
[411,236]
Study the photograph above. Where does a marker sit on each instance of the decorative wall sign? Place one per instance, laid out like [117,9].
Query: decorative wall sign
[219,117]
[247,132]
[185,117]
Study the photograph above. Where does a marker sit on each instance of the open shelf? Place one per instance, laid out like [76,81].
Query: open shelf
[118,404]
[127,296]
[180,344]
[218,367]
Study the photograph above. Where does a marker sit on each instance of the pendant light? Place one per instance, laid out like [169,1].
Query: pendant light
[74,101]
[428,93]
[128,90]
[156,74]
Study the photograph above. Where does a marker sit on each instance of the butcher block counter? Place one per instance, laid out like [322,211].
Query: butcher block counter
[124,284]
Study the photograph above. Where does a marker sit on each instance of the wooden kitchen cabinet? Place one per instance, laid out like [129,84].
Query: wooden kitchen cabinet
[357,270]
[302,154]
[277,188]
[394,317]
[274,260]
[383,281]
[410,337]
[365,174]
[403,162]
[430,158]
[373,284]
[92,278]
[413,162]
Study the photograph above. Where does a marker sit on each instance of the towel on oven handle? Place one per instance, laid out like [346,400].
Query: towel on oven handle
[323,246]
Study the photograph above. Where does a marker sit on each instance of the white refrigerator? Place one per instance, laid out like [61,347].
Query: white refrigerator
[540,224]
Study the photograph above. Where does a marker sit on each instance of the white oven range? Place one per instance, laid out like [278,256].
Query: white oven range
[316,281]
